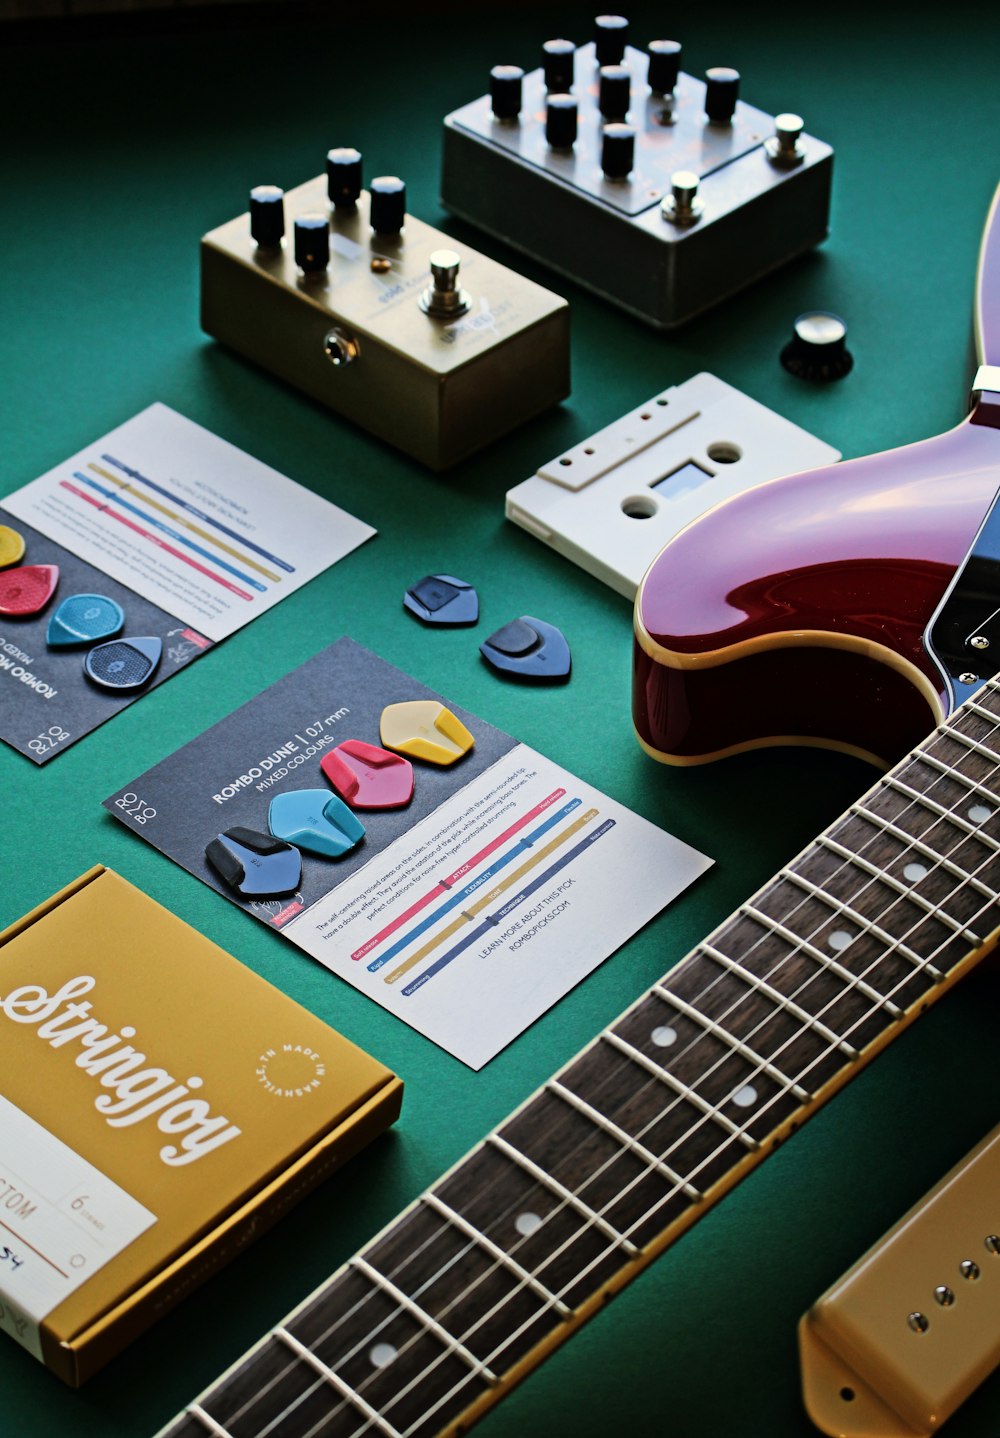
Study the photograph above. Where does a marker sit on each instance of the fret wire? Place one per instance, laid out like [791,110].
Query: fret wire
[335,1381]
[703,1019]
[760,1064]
[680,1089]
[925,801]
[403,1300]
[949,770]
[966,880]
[892,946]
[196,1411]
[851,981]
[973,744]
[778,998]
[566,1195]
[499,1256]
[905,891]
[980,709]
[624,1138]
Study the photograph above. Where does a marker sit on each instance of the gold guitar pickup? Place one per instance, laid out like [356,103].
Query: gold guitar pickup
[898,1343]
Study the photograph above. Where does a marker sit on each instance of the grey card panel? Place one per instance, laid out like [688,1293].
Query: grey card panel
[46,701]
[273,744]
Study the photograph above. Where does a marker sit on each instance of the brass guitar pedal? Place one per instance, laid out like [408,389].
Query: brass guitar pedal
[435,348]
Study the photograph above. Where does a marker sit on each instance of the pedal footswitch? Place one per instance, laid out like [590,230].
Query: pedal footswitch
[435,348]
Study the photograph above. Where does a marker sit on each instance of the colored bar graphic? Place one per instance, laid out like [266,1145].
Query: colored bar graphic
[154,539]
[494,919]
[444,885]
[198,513]
[477,883]
[179,519]
[165,529]
[468,914]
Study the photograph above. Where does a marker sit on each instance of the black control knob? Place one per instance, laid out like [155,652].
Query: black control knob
[722,88]
[664,65]
[610,39]
[267,215]
[505,91]
[312,243]
[558,61]
[818,347]
[616,90]
[617,151]
[561,121]
[343,177]
[388,204]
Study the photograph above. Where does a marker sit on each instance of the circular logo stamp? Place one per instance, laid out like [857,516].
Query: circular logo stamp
[290,1070]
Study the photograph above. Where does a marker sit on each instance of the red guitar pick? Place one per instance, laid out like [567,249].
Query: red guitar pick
[368,777]
[28,588]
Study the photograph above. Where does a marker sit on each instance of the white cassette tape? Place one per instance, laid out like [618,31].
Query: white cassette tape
[613,501]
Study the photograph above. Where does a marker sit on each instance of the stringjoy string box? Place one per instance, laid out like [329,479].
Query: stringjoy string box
[161,1106]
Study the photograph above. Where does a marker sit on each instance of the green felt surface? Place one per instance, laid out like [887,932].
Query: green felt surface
[118,154]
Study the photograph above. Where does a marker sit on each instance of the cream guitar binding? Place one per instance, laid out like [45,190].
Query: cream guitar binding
[893,1348]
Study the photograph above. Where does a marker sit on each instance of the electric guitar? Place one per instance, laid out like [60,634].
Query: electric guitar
[639,1135]
[796,613]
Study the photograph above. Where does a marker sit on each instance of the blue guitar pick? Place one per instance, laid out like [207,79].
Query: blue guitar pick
[124,663]
[255,864]
[84,619]
[315,820]
[529,649]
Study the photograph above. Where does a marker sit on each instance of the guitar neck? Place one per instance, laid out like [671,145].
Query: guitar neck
[624,1148]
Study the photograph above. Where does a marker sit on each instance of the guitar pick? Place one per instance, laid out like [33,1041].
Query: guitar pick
[255,864]
[424,729]
[529,649]
[123,663]
[316,821]
[442,599]
[83,619]
[11,546]
[27,589]
[367,777]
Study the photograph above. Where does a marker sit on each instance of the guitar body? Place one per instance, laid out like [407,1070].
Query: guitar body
[794,613]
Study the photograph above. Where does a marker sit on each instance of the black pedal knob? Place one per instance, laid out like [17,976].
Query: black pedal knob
[722,89]
[312,243]
[561,121]
[664,65]
[818,347]
[617,151]
[558,61]
[616,90]
[388,204]
[505,91]
[267,215]
[610,39]
[343,177]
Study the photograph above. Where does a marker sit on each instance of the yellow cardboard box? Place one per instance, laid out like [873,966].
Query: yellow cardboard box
[159,1106]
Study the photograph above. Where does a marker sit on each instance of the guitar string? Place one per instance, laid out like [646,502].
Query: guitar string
[910,805]
[445,1395]
[654,1081]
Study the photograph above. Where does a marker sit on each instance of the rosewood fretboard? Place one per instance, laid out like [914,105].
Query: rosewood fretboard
[663,1112]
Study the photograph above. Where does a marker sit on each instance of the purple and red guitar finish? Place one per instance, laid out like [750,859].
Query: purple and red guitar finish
[794,613]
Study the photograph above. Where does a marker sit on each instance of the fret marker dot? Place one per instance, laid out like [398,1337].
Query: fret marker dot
[745,1096]
[839,939]
[381,1354]
[528,1223]
[979,813]
[915,872]
[664,1036]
